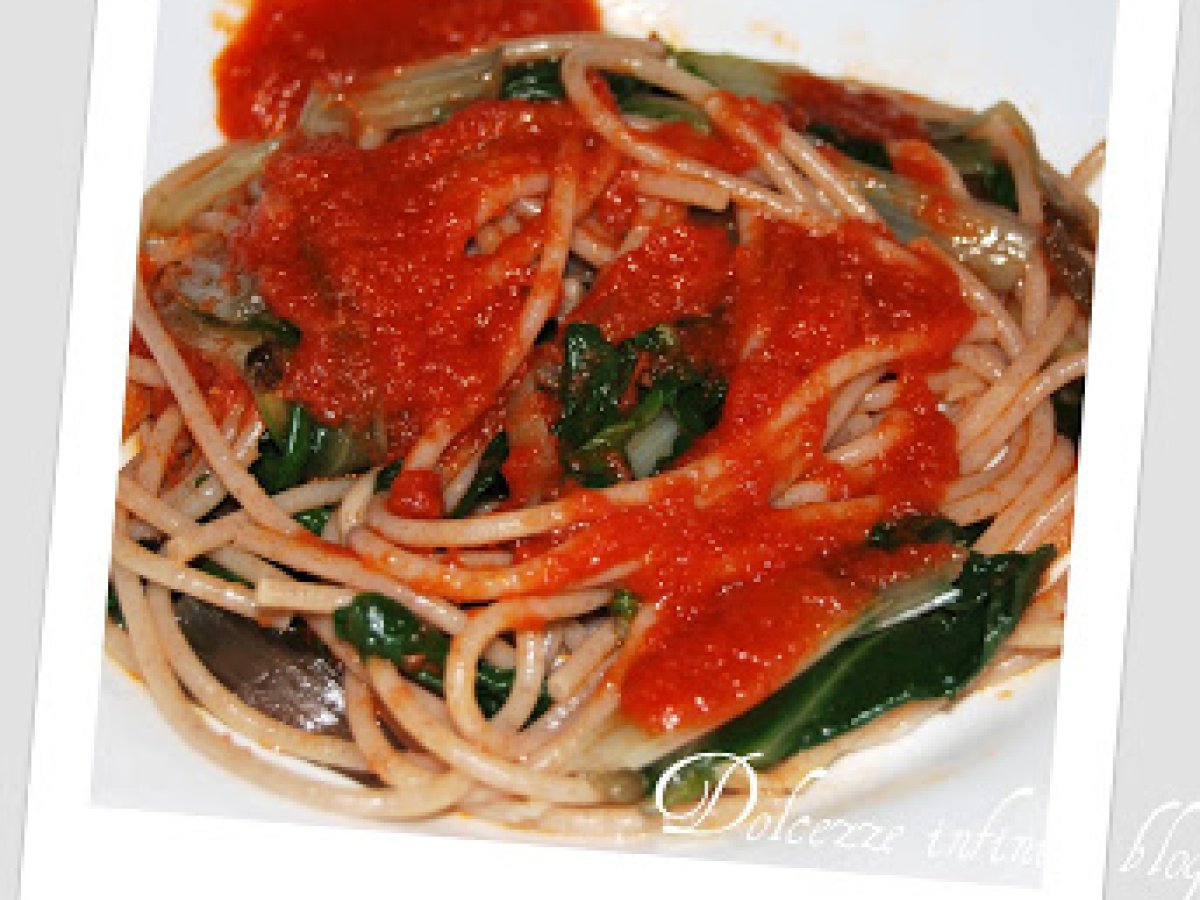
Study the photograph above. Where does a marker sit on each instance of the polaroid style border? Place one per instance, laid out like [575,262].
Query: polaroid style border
[1128,264]
[72,847]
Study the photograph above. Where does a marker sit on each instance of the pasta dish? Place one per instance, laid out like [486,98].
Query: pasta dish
[527,430]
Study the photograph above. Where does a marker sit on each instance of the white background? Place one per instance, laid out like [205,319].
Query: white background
[39,287]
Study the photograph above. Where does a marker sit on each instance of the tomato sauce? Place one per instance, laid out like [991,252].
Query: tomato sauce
[416,494]
[617,207]
[743,592]
[801,301]
[860,112]
[740,595]
[676,273]
[749,637]
[716,149]
[920,161]
[913,472]
[366,253]
[282,46]
[766,119]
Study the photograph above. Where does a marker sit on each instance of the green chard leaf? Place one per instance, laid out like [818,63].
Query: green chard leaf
[738,74]
[274,327]
[989,240]
[263,324]
[866,676]
[598,425]
[910,530]
[1068,409]
[314,520]
[541,81]
[664,109]
[624,607]
[114,606]
[297,449]
[986,175]
[864,150]
[283,458]
[488,483]
[595,375]
[379,626]
[536,82]
[388,475]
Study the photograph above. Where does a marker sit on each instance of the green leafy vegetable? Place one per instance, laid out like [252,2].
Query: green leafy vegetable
[1068,409]
[279,329]
[935,655]
[541,81]
[985,174]
[387,476]
[864,150]
[603,410]
[297,449]
[114,606]
[765,81]
[315,520]
[488,483]
[738,74]
[168,211]
[650,105]
[910,530]
[379,626]
[536,82]
[989,240]
[595,375]
[263,324]
[624,606]
[284,458]
[216,570]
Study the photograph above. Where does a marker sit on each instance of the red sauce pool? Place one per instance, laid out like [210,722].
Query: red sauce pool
[282,46]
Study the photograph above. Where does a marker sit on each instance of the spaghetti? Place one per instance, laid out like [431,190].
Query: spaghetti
[589,405]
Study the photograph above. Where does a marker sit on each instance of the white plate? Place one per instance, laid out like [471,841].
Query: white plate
[1054,60]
